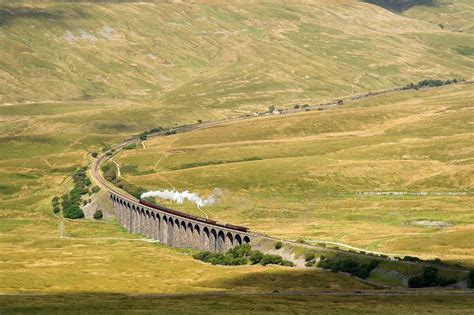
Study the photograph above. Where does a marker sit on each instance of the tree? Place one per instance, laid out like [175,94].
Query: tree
[94,154]
[199,121]
[98,215]
[278,245]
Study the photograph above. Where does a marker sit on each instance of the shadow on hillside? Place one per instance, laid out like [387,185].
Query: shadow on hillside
[289,280]
[401,5]
[8,14]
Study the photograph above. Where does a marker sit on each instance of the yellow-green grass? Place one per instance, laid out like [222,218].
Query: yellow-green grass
[237,304]
[222,54]
[298,176]
[60,100]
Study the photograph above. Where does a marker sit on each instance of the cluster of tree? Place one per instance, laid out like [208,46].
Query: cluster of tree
[110,174]
[429,83]
[471,279]
[430,278]
[72,200]
[144,134]
[241,255]
[355,268]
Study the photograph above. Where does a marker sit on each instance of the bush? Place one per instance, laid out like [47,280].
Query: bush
[73,212]
[310,263]
[241,255]
[351,266]
[271,260]
[300,241]
[56,210]
[94,154]
[411,258]
[471,278]
[287,263]
[429,278]
[256,257]
[308,256]
[278,245]
[98,215]
[95,189]
[131,146]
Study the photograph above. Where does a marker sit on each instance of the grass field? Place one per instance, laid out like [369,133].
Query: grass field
[76,77]
[280,304]
[300,175]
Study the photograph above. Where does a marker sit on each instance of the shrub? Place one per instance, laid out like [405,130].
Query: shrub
[300,240]
[98,215]
[351,266]
[416,282]
[95,189]
[73,212]
[471,278]
[278,245]
[94,154]
[56,210]
[308,256]
[429,278]
[271,260]
[411,258]
[310,263]
[287,263]
[256,257]
[131,146]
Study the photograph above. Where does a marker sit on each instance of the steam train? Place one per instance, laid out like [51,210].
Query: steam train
[192,217]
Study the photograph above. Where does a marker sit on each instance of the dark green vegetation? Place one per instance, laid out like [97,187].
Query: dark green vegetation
[110,174]
[471,279]
[352,266]
[98,215]
[430,278]
[400,5]
[71,202]
[241,255]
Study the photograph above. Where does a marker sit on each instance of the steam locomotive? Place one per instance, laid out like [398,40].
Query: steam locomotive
[192,217]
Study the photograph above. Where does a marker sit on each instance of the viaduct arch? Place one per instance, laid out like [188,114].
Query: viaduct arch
[173,229]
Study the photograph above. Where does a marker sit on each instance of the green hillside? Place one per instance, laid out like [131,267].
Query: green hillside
[217,54]
[79,76]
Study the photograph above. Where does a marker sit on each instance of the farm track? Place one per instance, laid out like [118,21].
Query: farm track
[97,176]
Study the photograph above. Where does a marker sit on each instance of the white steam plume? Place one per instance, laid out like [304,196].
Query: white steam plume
[180,197]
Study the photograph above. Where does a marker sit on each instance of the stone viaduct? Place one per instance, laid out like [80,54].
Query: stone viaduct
[173,229]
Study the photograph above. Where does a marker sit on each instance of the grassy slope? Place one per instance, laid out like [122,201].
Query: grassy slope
[149,66]
[215,53]
[311,165]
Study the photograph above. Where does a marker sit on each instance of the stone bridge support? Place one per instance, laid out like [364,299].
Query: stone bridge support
[173,230]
